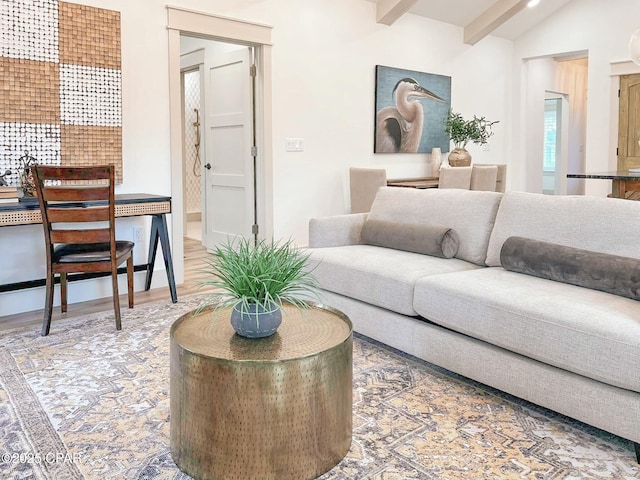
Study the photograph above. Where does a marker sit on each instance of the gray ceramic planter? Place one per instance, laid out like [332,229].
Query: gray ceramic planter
[255,321]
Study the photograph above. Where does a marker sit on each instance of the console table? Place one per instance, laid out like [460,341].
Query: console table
[274,408]
[423,182]
[621,182]
[127,205]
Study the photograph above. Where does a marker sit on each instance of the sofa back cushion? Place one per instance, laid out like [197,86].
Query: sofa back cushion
[606,225]
[470,213]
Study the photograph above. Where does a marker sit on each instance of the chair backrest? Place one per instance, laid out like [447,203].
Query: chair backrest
[484,177]
[62,193]
[501,179]
[455,177]
[364,184]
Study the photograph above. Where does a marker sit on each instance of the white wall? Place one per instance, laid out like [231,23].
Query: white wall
[324,57]
[572,78]
[603,29]
[324,92]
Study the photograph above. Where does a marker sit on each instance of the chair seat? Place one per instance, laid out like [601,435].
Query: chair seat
[89,252]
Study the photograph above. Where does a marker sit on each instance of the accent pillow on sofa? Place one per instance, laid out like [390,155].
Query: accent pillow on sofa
[431,240]
[584,268]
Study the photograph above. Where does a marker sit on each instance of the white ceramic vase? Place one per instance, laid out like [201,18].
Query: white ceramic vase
[436,161]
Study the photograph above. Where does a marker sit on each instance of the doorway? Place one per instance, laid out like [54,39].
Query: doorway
[218,141]
[223,29]
[628,127]
[192,155]
[629,122]
[556,141]
[563,78]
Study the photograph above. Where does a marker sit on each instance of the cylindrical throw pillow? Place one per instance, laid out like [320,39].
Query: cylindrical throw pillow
[584,268]
[431,240]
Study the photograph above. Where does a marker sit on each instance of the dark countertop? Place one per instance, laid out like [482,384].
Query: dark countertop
[121,199]
[621,175]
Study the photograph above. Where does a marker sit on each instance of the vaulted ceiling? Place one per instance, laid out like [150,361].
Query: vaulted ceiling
[504,18]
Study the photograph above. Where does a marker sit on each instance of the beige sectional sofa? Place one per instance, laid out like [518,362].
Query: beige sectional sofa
[572,349]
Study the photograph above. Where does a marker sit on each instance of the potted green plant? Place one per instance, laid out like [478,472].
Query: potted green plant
[461,131]
[255,280]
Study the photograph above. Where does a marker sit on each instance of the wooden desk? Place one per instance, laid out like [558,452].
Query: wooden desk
[623,183]
[423,182]
[127,205]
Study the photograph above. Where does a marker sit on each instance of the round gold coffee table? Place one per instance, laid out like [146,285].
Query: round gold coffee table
[270,408]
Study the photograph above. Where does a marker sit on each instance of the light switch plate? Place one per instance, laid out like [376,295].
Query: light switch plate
[295,144]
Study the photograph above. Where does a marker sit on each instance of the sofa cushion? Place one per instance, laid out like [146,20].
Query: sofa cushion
[588,332]
[432,240]
[470,213]
[583,222]
[380,276]
[584,268]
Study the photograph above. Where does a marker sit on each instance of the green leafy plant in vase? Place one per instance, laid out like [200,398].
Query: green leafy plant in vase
[256,280]
[461,131]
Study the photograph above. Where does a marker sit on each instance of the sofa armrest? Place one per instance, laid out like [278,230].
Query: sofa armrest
[336,231]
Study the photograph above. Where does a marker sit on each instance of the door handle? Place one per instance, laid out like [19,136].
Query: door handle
[208,166]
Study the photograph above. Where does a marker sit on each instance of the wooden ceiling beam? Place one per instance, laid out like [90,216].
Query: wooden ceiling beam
[388,11]
[492,18]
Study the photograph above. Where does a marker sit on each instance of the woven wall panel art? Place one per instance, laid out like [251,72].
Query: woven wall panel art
[60,85]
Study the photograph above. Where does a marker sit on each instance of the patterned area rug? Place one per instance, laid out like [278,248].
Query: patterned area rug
[89,402]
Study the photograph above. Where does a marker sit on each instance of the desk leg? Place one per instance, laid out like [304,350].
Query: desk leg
[619,189]
[159,232]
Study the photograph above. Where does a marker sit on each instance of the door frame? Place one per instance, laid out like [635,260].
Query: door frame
[190,62]
[224,29]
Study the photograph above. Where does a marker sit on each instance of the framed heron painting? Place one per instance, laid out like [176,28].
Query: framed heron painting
[410,111]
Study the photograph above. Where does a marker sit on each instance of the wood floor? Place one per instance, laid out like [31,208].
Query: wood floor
[194,261]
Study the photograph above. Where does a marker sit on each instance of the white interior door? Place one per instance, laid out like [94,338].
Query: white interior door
[229,195]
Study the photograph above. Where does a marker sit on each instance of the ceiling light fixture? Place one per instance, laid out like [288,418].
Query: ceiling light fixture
[634,47]
[533,3]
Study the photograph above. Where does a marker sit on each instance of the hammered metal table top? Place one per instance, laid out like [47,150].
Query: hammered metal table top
[303,332]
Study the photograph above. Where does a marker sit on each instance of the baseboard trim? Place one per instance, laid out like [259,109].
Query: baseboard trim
[194,216]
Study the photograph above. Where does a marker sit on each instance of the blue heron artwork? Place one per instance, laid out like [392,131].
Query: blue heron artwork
[410,111]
